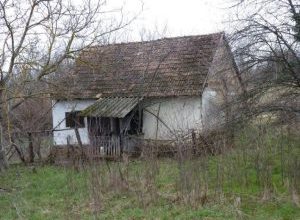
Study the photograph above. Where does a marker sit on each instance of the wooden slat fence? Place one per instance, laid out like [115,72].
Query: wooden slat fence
[104,147]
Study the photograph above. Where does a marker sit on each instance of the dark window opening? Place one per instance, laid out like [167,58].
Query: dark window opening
[74,120]
[103,126]
[136,123]
[115,125]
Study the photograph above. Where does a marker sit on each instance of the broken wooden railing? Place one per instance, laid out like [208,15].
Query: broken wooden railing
[104,147]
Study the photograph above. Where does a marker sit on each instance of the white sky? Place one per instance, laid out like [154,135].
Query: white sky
[181,17]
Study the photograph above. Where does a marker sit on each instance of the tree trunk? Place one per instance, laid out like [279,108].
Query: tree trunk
[20,153]
[30,148]
[79,141]
[3,162]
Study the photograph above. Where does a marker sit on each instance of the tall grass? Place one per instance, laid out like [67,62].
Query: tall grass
[262,166]
[256,178]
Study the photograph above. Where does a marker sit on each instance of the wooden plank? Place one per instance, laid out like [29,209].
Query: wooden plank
[105,147]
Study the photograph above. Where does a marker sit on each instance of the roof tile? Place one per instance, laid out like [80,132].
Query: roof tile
[165,67]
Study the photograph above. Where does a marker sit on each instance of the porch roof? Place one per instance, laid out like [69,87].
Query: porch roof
[116,107]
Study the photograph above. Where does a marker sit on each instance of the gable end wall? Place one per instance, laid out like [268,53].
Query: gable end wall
[222,86]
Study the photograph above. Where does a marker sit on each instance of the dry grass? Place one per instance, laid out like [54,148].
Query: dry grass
[258,179]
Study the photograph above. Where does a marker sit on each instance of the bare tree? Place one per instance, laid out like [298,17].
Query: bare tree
[31,119]
[38,36]
[267,47]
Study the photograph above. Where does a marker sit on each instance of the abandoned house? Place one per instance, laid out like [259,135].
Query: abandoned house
[154,90]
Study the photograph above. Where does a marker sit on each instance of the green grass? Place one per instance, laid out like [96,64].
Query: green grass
[57,193]
[232,185]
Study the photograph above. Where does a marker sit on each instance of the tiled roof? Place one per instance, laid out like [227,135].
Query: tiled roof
[165,67]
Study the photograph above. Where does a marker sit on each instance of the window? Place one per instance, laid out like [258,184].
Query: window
[73,119]
[136,123]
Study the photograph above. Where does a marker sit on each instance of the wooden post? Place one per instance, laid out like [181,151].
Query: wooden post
[78,137]
[79,140]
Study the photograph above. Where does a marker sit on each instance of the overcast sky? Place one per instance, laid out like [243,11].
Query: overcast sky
[181,17]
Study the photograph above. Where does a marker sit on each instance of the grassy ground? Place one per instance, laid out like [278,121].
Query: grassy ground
[258,179]
[49,192]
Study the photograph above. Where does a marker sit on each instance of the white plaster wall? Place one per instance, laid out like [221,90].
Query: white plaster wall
[212,116]
[222,84]
[58,115]
[180,114]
